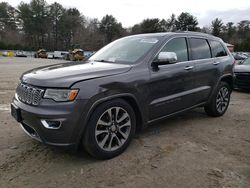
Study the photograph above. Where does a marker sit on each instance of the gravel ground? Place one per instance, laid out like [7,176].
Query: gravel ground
[189,150]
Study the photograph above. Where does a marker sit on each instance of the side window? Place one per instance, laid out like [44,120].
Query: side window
[217,49]
[200,49]
[179,46]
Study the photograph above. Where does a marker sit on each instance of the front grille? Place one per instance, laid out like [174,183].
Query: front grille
[29,94]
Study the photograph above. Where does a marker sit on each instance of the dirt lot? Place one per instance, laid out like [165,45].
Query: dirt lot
[191,150]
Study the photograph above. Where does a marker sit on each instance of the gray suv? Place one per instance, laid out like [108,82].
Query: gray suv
[130,83]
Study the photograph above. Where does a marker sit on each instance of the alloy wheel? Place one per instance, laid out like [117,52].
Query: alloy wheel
[113,129]
[222,99]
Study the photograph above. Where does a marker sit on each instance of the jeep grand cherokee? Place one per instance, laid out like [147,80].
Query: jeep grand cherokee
[128,84]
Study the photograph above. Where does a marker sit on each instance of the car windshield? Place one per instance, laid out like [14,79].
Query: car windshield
[246,62]
[126,50]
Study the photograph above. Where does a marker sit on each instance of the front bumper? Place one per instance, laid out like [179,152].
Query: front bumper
[242,80]
[70,114]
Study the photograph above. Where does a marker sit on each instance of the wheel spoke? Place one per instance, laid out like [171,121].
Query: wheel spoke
[117,109]
[225,93]
[123,134]
[221,107]
[128,124]
[218,101]
[219,95]
[124,116]
[110,114]
[103,142]
[118,140]
[98,132]
[110,142]
[218,105]
[101,122]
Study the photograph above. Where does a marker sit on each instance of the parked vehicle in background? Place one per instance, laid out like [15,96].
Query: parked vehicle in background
[239,56]
[8,53]
[242,75]
[60,54]
[42,53]
[88,54]
[130,83]
[50,55]
[247,54]
[20,54]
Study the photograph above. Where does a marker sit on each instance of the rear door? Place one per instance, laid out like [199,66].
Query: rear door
[207,70]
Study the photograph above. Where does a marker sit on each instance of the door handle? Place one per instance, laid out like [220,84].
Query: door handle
[216,63]
[189,67]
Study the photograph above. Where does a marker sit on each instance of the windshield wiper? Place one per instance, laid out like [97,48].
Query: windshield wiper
[103,60]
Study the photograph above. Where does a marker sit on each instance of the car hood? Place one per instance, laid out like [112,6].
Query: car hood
[66,74]
[242,68]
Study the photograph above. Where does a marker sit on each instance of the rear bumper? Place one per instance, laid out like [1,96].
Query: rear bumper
[70,115]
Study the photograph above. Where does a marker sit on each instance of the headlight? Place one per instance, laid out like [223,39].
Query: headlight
[61,95]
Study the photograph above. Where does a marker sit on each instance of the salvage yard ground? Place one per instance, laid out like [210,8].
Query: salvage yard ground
[190,150]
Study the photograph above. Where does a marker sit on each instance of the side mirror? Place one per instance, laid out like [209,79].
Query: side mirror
[164,58]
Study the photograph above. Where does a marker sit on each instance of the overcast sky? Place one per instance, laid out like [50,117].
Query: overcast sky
[130,12]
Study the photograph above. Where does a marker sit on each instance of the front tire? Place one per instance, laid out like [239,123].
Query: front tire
[110,129]
[220,101]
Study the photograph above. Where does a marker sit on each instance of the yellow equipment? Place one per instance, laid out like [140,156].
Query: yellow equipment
[76,55]
[42,53]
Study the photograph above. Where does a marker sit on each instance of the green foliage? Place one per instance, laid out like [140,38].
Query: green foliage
[217,26]
[150,26]
[186,22]
[7,17]
[110,28]
[56,12]
[171,23]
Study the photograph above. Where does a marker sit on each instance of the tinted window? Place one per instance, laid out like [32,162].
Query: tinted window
[200,49]
[179,46]
[217,49]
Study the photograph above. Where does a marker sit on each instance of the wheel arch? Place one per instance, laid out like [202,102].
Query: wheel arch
[129,98]
[228,79]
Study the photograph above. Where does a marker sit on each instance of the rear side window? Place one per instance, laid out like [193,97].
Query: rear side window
[217,49]
[179,46]
[200,49]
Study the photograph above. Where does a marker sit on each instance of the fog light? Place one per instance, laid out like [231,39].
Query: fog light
[51,124]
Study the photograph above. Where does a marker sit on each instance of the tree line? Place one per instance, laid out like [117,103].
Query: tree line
[37,24]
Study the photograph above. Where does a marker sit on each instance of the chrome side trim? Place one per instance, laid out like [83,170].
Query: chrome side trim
[47,126]
[170,97]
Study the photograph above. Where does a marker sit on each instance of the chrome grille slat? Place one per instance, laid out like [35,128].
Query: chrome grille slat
[29,94]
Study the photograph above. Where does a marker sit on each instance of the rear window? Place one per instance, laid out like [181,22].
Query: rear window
[200,49]
[217,49]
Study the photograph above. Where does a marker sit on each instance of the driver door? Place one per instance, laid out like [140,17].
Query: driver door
[171,85]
